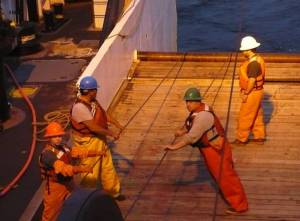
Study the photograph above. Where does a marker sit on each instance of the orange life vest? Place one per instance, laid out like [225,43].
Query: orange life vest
[99,117]
[259,80]
[214,136]
[47,172]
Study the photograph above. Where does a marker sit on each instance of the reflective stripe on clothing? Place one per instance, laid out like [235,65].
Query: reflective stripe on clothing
[47,159]
[109,177]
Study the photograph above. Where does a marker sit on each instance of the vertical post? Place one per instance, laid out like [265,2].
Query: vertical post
[1,18]
[4,108]
[113,11]
[6,34]
[33,10]
[19,11]
[99,10]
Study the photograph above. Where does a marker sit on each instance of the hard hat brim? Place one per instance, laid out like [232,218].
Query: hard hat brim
[191,99]
[54,134]
[93,88]
[249,47]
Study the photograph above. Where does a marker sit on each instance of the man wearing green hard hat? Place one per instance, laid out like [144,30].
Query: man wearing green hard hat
[203,130]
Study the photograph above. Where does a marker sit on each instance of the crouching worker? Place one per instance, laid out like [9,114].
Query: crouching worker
[57,169]
[204,131]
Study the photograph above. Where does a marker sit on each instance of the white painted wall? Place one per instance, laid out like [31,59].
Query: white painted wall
[147,25]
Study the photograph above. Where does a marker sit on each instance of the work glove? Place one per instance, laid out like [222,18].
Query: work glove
[62,168]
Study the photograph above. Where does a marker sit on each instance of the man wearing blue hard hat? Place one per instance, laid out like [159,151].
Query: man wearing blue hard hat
[89,129]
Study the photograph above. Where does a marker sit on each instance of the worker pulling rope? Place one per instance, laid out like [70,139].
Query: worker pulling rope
[212,104]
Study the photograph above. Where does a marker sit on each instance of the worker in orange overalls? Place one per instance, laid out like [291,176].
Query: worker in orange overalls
[252,76]
[203,130]
[89,130]
[57,169]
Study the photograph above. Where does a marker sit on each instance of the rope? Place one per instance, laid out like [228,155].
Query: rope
[191,153]
[213,103]
[165,153]
[148,98]
[228,114]
[61,116]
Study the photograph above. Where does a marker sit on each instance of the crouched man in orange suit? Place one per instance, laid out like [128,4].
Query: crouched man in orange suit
[56,164]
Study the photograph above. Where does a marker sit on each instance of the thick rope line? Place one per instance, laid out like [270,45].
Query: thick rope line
[226,71]
[139,109]
[184,169]
[228,111]
[165,153]
[148,98]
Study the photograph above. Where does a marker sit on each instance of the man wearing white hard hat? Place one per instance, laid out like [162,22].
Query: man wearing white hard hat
[251,76]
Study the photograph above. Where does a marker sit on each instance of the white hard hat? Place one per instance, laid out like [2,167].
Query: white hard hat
[249,43]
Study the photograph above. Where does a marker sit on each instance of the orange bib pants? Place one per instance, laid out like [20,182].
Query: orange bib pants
[229,182]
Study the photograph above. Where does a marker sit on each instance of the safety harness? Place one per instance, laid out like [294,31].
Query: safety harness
[99,117]
[259,80]
[214,136]
[62,153]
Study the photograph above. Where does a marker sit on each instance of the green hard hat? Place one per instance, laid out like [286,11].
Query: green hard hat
[192,94]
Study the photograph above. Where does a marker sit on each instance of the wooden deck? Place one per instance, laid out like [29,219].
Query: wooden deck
[181,189]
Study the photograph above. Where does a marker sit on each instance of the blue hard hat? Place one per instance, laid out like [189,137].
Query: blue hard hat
[88,83]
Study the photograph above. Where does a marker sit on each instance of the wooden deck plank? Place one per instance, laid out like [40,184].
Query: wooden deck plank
[181,188]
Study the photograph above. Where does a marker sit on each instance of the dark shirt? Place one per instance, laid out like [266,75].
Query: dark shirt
[48,158]
[253,69]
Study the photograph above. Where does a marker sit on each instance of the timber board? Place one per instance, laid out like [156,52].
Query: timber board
[181,188]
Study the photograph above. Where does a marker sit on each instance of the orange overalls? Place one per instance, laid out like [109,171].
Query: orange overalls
[212,146]
[58,187]
[54,162]
[104,170]
[251,112]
